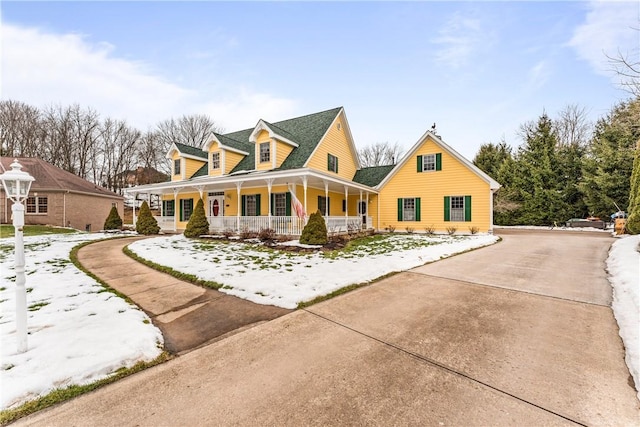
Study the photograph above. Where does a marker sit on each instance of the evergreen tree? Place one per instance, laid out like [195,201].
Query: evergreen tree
[490,157]
[146,223]
[315,232]
[198,224]
[539,176]
[608,163]
[113,221]
[633,222]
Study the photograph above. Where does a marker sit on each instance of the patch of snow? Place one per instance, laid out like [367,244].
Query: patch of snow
[285,279]
[623,265]
[78,333]
[296,243]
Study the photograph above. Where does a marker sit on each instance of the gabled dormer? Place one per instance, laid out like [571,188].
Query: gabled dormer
[185,161]
[272,145]
[222,155]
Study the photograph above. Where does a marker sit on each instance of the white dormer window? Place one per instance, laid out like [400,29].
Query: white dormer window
[265,152]
[215,160]
[176,167]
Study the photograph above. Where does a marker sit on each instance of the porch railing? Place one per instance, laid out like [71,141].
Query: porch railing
[287,225]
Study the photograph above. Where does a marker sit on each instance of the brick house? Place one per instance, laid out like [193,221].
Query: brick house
[60,198]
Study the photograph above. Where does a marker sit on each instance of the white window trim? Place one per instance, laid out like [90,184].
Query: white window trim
[424,162]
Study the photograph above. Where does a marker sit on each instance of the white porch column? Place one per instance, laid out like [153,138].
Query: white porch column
[269,186]
[326,199]
[346,208]
[238,187]
[176,209]
[304,187]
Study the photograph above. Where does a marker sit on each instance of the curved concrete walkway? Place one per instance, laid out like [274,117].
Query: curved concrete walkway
[517,334]
[189,316]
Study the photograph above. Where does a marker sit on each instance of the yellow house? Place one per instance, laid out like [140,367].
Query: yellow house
[275,174]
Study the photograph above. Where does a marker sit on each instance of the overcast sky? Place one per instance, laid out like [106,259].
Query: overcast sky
[478,70]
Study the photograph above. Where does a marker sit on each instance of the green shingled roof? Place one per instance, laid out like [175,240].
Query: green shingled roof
[373,175]
[203,171]
[306,131]
[193,151]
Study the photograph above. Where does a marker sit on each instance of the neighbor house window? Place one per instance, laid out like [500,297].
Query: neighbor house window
[409,209]
[168,207]
[186,208]
[430,162]
[251,205]
[37,204]
[332,163]
[323,205]
[215,160]
[457,208]
[176,167]
[265,152]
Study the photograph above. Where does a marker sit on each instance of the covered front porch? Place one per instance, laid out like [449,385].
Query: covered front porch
[251,202]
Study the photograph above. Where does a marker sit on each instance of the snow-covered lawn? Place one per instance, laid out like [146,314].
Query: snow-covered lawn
[284,279]
[623,265]
[78,333]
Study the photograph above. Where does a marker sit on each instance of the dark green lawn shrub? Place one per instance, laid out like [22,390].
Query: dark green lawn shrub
[113,222]
[315,232]
[198,224]
[146,223]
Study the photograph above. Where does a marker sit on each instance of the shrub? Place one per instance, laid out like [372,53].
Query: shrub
[113,222]
[228,232]
[315,232]
[146,223]
[409,230]
[452,230]
[245,233]
[198,224]
[474,230]
[267,235]
[391,228]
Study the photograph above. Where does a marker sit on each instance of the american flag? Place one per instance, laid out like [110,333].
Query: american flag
[297,206]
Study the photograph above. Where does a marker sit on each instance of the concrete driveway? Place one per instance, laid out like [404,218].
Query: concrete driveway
[519,333]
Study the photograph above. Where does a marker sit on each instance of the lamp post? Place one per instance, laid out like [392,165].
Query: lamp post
[16,185]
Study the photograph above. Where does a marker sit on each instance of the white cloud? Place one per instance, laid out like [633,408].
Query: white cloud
[41,68]
[459,39]
[609,28]
[538,75]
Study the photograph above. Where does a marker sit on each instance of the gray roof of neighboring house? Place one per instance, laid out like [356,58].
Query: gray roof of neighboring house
[373,175]
[51,178]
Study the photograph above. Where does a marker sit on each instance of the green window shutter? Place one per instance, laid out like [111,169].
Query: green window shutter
[417,208]
[243,205]
[344,205]
[467,208]
[328,162]
[287,198]
[336,165]
[400,209]
[257,205]
[439,161]
[181,209]
[420,164]
[329,206]
[447,206]
[273,204]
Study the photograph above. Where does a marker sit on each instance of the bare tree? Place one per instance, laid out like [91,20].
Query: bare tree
[572,126]
[628,72]
[85,132]
[119,142]
[20,129]
[190,130]
[379,154]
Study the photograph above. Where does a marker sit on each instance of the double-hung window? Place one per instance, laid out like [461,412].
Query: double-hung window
[457,208]
[168,208]
[265,152]
[37,205]
[323,205]
[176,167]
[186,209]
[280,204]
[409,209]
[215,161]
[430,162]
[332,163]
[250,205]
